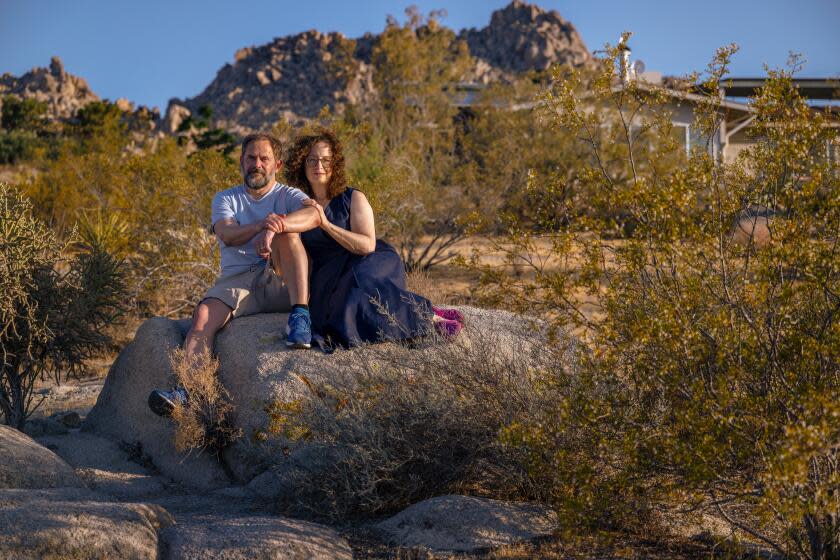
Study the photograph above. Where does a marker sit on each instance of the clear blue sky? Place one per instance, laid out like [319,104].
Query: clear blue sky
[153,50]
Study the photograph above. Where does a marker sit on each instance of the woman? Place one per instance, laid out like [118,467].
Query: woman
[358,283]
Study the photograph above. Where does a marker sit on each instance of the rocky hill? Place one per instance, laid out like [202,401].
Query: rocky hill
[524,37]
[63,93]
[291,77]
[294,77]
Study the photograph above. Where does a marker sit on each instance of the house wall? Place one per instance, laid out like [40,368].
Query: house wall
[737,143]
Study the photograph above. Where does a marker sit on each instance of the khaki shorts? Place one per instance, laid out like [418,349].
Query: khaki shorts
[258,290]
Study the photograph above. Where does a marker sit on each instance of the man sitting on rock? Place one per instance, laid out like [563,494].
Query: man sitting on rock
[264,263]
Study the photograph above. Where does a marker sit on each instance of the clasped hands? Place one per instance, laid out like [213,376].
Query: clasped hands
[271,225]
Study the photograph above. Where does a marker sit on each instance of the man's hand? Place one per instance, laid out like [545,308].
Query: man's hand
[262,243]
[275,223]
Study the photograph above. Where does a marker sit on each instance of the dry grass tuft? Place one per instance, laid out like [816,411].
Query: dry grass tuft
[203,423]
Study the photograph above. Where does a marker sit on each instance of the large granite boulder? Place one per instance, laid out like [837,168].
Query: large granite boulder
[467,524]
[26,464]
[253,538]
[122,413]
[257,370]
[74,523]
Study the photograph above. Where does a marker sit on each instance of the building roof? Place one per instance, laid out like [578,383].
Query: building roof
[812,88]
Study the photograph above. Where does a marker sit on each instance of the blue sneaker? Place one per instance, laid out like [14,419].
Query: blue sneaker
[299,330]
[163,403]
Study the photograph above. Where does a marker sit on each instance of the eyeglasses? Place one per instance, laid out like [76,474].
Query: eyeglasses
[313,162]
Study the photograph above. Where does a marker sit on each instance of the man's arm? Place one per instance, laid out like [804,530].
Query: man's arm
[233,234]
[301,220]
[294,222]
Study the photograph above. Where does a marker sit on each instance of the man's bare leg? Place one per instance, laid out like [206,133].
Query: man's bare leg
[287,250]
[289,256]
[208,318]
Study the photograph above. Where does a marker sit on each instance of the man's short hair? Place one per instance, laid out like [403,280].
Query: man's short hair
[276,146]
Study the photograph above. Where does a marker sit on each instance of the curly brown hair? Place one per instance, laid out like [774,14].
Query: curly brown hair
[296,163]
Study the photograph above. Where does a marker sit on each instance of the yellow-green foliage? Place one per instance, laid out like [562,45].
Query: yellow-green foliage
[153,206]
[404,148]
[714,373]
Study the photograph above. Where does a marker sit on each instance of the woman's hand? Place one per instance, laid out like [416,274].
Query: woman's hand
[314,204]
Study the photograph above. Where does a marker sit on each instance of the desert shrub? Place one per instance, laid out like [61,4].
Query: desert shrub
[52,309]
[99,121]
[203,425]
[22,114]
[401,151]
[153,207]
[719,354]
[423,283]
[402,425]
[16,146]
[500,144]
[197,129]
[21,120]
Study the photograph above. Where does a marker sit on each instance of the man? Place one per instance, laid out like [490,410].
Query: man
[264,263]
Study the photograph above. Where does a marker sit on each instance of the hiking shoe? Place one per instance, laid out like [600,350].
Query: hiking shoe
[299,329]
[163,403]
[448,328]
[451,314]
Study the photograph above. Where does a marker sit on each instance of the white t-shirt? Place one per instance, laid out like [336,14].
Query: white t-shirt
[236,203]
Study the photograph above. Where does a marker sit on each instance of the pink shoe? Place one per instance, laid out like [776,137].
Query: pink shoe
[451,314]
[448,328]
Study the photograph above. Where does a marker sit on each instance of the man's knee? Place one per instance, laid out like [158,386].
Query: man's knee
[286,240]
[210,315]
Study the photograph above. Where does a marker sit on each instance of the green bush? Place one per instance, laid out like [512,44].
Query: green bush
[22,114]
[714,373]
[16,146]
[52,310]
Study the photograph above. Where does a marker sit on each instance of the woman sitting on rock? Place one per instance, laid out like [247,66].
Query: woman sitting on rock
[357,284]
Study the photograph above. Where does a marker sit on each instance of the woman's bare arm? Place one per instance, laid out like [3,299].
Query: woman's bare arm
[361,238]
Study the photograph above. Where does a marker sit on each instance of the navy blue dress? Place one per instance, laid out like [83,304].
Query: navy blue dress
[359,298]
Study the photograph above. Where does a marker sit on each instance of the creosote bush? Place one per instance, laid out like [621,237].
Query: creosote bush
[713,380]
[53,309]
[401,425]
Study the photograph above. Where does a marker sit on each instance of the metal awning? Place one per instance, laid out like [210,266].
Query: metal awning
[812,88]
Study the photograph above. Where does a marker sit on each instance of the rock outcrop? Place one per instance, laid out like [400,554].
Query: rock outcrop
[294,77]
[289,78]
[63,93]
[253,538]
[467,524]
[524,37]
[71,523]
[121,412]
[257,369]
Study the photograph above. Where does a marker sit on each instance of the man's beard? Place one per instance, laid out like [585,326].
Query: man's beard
[256,179]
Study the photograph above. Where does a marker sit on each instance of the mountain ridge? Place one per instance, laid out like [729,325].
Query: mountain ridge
[293,77]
